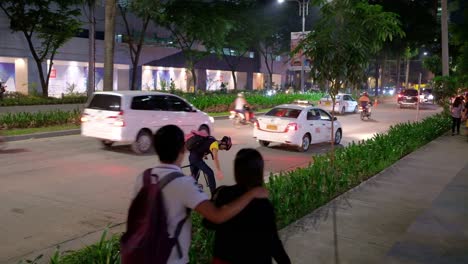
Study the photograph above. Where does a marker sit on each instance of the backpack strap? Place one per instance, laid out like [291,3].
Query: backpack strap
[179,230]
[147,177]
[168,178]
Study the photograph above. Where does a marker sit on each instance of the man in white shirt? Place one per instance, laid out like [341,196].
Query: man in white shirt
[240,105]
[183,192]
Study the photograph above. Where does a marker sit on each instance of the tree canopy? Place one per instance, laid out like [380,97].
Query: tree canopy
[46,25]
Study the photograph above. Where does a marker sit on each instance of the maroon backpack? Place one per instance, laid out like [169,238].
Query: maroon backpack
[147,238]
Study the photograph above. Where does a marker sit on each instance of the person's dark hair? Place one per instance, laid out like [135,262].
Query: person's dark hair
[457,102]
[248,168]
[227,142]
[168,142]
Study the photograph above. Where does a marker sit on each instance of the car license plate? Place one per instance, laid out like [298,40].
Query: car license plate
[327,103]
[272,127]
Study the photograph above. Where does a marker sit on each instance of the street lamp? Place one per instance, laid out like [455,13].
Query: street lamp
[303,12]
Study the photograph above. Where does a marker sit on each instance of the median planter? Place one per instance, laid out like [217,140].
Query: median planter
[39,119]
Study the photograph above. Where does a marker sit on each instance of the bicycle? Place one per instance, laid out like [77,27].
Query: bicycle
[196,177]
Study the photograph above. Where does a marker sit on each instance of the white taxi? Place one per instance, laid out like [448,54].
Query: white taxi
[344,103]
[296,124]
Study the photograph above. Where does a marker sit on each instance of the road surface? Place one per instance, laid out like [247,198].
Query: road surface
[57,189]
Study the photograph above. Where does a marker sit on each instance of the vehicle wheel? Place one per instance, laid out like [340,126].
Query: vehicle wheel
[107,143]
[343,111]
[338,136]
[305,144]
[204,128]
[143,142]
[264,143]
[363,115]
[356,109]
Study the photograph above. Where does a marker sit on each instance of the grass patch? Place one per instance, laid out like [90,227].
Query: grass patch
[25,131]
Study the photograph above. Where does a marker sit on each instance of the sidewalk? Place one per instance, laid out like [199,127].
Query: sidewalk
[416,211]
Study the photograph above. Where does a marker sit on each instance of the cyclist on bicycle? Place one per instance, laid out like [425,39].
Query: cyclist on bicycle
[209,146]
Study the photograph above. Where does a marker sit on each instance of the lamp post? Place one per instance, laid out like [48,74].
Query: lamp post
[303,12]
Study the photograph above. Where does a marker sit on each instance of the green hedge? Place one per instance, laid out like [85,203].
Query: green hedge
[314,185]
[213,102]
[17,99]
[39,119]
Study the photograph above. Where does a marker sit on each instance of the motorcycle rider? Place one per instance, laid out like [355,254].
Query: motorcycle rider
[241,106]
[364,101]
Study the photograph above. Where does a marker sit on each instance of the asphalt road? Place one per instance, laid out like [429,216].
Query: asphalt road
[57,189]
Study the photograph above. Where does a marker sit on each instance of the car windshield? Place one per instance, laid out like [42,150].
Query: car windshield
[105,102]
[411,93]
[327,97]
[284,112]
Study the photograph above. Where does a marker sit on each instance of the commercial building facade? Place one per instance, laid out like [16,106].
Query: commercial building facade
[159,63]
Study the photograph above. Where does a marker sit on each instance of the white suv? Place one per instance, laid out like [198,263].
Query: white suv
[133,117]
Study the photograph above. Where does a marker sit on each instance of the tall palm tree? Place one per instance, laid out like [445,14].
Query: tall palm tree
[91,4]
[109,25]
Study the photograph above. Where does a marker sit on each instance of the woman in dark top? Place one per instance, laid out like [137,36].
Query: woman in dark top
[251,236]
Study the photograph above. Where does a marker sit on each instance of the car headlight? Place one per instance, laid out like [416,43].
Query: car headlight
[430,97]
[211,119]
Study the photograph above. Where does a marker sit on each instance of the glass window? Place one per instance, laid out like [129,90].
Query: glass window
[312,114]
[149,102]
[411,92]
[177,104]
[324,115]
[284,112]
[106,102]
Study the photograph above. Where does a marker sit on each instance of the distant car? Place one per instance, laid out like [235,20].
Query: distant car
[134,116]
[408,97]
[298,125]
[428,96]
[344,103]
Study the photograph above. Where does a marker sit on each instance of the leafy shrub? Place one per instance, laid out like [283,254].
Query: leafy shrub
[15,99]
[218,102]
[39,119]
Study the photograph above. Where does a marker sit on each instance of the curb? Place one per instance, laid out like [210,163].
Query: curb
[44,135]
[70,132]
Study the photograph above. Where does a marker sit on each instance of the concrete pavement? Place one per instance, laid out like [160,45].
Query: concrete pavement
[416,211]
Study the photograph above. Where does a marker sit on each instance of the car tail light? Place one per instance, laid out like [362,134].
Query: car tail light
[84,118]
[119,121]
[292,127]
[400,95]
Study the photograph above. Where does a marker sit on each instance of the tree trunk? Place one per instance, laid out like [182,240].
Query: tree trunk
[45,92]
[234,78]
[194,78]
[398,72]
[407,72]
[92,50]
[383,76]
[44,88]
[109,45]
[377,77]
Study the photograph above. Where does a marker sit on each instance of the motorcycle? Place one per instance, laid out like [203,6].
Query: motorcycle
[365,111]
[238,118]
